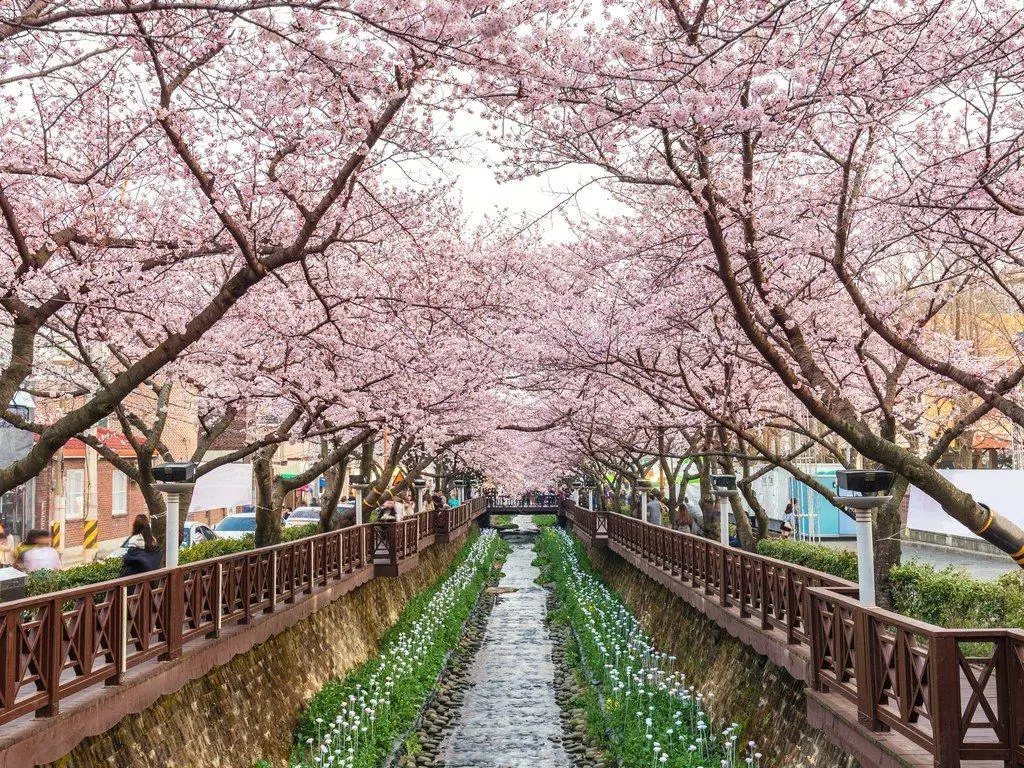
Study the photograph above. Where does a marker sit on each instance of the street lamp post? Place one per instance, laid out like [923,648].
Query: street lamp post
[723,486]
[419,484]
[864,490]
[173,480]
[644,486]
[357,483]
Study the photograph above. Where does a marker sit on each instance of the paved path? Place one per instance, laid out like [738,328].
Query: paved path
[978,565]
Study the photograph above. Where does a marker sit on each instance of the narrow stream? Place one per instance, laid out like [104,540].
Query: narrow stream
[509,718]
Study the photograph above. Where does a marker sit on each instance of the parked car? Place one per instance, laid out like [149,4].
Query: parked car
[307,515]
[193,533]
[236,526]
[302,516]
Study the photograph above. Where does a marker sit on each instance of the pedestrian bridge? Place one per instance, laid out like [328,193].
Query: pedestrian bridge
[504,505]
[890,690]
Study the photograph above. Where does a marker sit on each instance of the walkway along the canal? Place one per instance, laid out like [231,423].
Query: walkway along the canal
[888,689]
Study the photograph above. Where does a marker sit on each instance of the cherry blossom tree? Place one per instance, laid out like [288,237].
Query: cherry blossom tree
[161,160]
[841,172]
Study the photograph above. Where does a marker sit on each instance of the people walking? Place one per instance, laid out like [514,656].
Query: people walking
[142,554]
[437,500]
[36,553]
[654,508]
[388,513]
[684,518]
[7,546]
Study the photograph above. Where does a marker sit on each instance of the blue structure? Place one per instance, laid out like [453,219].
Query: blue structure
[830,520]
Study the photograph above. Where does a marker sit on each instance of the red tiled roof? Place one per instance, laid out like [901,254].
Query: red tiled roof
[983,442]
[75,448]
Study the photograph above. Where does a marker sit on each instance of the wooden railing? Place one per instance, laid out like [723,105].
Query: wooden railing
[957,693]
[56,645]
[509,502]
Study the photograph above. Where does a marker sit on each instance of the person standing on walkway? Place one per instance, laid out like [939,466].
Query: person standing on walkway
[7,546]
[684,519]
[654,508]
[388,513]
[36,553]
[142,554]
[453,500]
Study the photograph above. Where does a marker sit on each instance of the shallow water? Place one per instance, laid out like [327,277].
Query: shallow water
[509,718]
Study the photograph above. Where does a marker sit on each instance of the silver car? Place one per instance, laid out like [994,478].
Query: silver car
[193,533]
[236,526]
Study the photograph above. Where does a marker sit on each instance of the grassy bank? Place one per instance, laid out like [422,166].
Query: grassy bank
[353,722]
[648,713]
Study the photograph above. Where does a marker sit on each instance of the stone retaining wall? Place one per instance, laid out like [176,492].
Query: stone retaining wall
[246,709]
[740,685]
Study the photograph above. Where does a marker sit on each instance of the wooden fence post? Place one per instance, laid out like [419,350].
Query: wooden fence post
[174,613]
[944,699]
[865,659]
[217,600]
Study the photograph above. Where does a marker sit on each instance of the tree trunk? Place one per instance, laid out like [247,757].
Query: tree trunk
[747,537]
[709,512]
[335,477]
[887,544]
[759,511]
[268,515]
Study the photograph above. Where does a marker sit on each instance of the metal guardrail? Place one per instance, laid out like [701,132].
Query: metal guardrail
[56,645]
[928,683]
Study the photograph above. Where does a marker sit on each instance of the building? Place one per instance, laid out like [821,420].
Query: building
[117,498]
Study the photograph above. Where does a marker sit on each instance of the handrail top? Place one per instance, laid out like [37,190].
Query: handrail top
[828,578]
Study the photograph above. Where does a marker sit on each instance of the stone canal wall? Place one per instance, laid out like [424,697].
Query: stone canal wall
[246,709]
[742,686]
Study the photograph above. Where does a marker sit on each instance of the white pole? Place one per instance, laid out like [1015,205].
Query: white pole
[643,504]
[723,521]
[865,558]
[575,496]
[172,530]
[359,506]
[419,500]
[590,499]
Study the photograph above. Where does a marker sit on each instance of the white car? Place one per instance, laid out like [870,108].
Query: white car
[193,533]
[302,516]
[307,515]
[236,526]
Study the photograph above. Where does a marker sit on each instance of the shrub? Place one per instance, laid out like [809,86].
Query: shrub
[838,562]
[43,582]
[948,598]
[204,550]
[952,598]
[300,531]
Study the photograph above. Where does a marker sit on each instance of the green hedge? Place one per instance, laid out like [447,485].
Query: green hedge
[948,598]
[44,582]
[838,562]
[953,598]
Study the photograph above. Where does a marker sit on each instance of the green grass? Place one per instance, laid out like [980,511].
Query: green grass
[411,686]
[649,714]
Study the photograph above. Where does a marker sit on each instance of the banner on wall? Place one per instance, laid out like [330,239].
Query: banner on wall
[225,487]
[1001,489]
